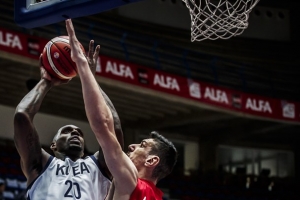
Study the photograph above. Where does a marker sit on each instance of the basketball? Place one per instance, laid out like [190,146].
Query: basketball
[56,58]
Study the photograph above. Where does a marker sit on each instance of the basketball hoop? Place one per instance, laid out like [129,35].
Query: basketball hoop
[214,19]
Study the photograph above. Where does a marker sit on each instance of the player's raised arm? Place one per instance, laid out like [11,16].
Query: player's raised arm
[92,60]
[101,119]
[92,57]
[26,138]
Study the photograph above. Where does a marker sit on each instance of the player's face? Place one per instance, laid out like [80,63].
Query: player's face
[70,140]
[138,153]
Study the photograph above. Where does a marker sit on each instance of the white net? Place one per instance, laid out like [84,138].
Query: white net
[214,19]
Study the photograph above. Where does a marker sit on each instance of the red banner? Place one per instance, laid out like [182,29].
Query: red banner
[277,109]
[21,44]
[202,92]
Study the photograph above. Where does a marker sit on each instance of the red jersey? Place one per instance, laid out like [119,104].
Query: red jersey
[146,190]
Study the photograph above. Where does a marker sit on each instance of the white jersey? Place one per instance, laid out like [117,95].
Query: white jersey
[67,180]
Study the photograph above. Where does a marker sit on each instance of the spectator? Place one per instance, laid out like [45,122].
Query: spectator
[2,189]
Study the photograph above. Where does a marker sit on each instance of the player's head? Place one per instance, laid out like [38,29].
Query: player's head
[155,152]
[69,141]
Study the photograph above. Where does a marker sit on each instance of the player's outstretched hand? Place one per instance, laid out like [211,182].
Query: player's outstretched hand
[77,54]
[93,56]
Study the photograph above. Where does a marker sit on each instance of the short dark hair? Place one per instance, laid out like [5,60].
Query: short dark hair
[167,154]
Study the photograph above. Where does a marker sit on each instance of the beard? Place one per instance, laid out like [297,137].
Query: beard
[74,150]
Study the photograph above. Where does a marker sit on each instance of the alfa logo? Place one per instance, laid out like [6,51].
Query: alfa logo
[10,40]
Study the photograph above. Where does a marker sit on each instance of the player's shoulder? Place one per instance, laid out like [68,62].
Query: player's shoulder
[95,158]
[96,155]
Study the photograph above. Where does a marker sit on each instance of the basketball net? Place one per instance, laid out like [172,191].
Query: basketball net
[214,19]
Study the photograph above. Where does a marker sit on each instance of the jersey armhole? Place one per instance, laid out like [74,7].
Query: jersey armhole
[46,166]
[99,167]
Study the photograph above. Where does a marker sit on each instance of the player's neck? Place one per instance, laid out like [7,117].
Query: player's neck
[73,158]
[63,156]
[146,174]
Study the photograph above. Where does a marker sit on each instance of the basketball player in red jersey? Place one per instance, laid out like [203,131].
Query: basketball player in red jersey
[136,173]
[67,175]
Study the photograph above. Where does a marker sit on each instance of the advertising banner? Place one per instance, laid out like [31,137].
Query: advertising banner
[249,104]
[209,94]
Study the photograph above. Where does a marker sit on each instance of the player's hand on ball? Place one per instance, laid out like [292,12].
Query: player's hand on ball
[45,75]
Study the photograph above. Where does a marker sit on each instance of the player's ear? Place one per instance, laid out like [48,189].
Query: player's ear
[152,161]
[53,146]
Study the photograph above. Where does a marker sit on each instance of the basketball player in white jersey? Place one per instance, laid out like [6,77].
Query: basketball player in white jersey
[67,175]
[137,173]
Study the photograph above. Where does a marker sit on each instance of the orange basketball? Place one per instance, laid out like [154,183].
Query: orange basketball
[56,58]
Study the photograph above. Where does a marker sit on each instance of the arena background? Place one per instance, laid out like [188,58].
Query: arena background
[155,34]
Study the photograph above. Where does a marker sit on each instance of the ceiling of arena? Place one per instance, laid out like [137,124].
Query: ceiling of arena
[272,70]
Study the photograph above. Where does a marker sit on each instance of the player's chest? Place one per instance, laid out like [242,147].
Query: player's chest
[78,169]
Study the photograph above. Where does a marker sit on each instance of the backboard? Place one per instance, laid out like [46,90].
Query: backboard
[35,13]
